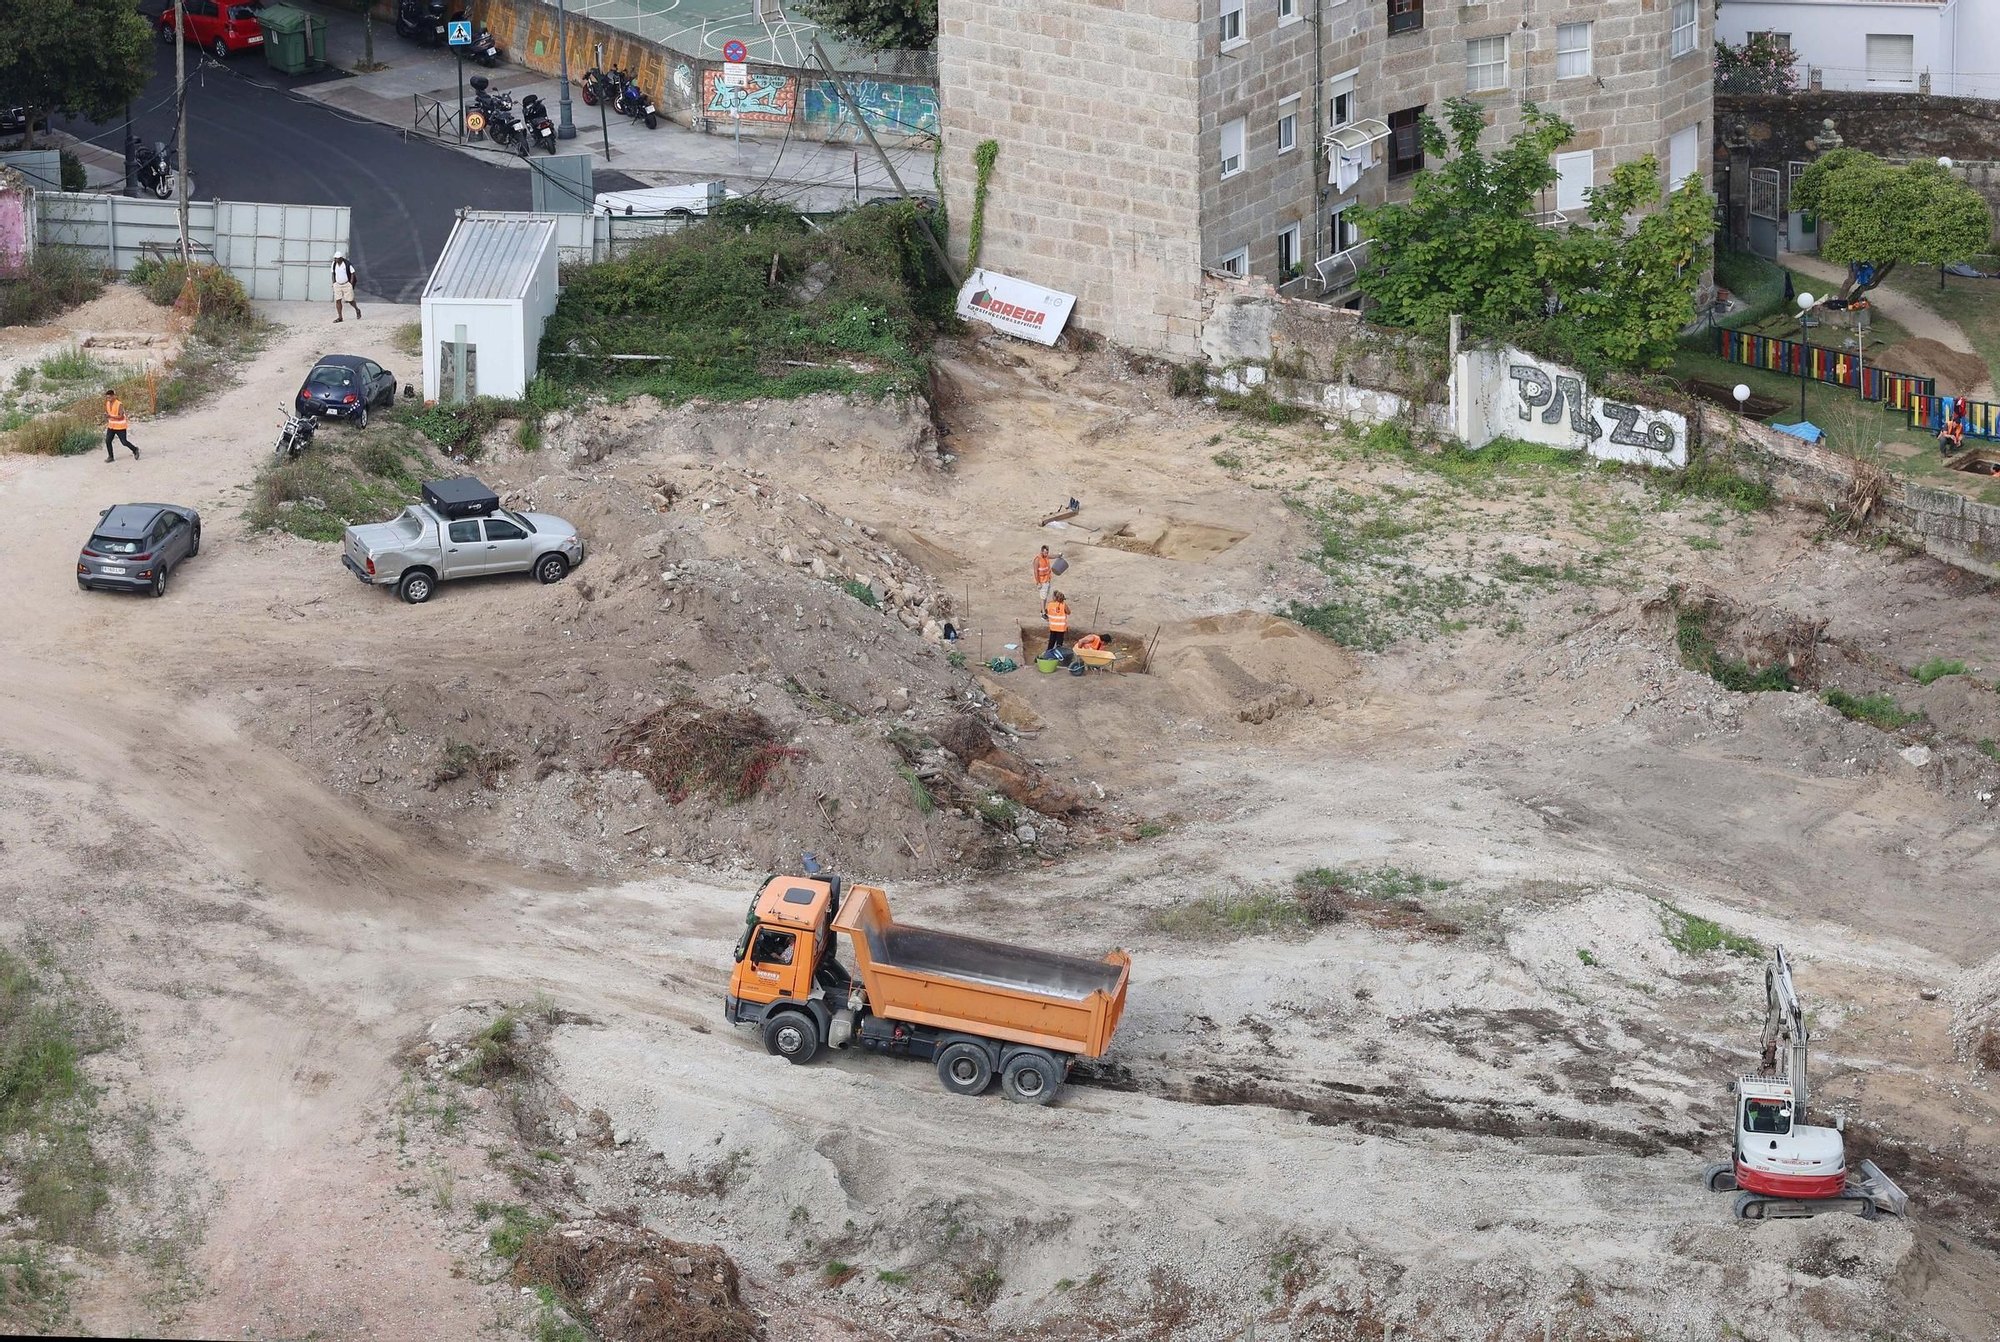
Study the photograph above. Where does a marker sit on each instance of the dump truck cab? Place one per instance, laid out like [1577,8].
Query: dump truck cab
[786,953]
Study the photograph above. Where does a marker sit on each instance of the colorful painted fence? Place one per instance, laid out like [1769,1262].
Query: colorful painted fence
[1981,418]
[1822,365]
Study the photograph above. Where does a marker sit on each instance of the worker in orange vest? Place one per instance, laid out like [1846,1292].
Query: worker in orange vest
[1057,611]
[1952,436]
[115,425]
[1045,575]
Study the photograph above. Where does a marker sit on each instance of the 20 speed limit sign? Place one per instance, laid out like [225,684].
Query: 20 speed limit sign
[475,121]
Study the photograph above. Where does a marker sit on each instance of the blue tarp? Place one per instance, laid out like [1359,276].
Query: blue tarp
[1805,429]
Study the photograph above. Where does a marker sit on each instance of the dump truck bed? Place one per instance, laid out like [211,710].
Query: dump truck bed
[950,981]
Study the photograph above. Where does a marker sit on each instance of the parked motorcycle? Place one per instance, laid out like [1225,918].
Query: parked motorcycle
[422,21]
[158,169]
[593,81]
[296,436]
[541,130]
[633,102]
[504,125]
[484,49]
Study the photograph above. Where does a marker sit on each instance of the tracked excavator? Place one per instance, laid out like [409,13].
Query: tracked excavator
[1783,1165]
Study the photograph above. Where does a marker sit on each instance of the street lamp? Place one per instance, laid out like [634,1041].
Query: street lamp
[1806,302]
[1742,395]
[565,128]
[1944,161]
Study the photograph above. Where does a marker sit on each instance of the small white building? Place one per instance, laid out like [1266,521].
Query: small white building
[1883,46]
[493,289]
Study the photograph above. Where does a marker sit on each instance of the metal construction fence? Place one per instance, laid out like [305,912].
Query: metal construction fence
[597,237]
[276,251]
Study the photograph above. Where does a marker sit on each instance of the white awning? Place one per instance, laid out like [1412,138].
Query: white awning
[1356,135]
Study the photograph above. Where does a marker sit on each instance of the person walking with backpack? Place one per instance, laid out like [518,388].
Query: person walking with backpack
[115,425]
[343,286]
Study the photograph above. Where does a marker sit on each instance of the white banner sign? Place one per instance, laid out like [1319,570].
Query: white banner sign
[1015,306]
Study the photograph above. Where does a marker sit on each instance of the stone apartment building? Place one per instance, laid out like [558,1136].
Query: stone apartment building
[1143,141]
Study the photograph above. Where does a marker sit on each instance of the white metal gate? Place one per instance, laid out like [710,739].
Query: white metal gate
[276,251]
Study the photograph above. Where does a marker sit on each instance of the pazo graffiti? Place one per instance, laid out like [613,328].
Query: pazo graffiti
[765,98]
[1628,426]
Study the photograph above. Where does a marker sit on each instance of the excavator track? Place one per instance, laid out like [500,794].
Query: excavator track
[1760,1207]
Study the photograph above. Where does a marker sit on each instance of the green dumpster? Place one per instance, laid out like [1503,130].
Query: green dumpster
[294,40]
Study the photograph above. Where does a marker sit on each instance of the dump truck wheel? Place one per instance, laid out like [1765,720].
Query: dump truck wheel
[965,1069]
[1030,1078]
[791,1036]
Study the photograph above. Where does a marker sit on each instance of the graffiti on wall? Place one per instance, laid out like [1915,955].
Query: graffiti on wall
[684,81]
[891,109]
[1505,393]
[766,97]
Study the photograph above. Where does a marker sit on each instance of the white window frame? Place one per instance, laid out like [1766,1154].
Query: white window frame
[1288,12]
[1236,263]
[1288,124]
[1784,40]
[1686,27]
[1495,70]
[1291,231]
[1571,197]
[1905,79]
[1231,164]
[1229,25]
[1691,136]
[1334,216]
[1567,66]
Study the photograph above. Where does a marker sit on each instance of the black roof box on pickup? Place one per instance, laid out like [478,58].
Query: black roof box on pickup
[464,496]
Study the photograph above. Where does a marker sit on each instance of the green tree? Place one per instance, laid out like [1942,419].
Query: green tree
[878,25]
[86,57]
[1597,293]
[1880,216]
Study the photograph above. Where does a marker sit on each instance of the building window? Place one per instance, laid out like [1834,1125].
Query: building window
[1683,148]
[1232,22]
[1685,21]
[1406,142]
[1232,148]
[1340,110]
[1236,263]
[1892,60]
[1575,174]
[1288,132]
[1288,11]
[1341,233]
[1782,41]
[1288,252]
[1405,16]
[1485,64]
[1572,50]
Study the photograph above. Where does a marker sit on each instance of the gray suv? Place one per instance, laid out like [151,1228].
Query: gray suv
[136,545]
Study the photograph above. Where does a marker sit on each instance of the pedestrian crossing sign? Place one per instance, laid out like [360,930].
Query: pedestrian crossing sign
[459,32]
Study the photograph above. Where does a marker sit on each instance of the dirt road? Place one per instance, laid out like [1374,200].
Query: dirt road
[1485,1114]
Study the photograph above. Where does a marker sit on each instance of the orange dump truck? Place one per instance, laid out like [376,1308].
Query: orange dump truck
[977,1008]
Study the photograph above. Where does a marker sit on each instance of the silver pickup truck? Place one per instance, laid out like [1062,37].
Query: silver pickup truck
[458,531]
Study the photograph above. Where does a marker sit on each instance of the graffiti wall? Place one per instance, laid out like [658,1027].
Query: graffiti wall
[890,109]
[1504,393]
[767,97]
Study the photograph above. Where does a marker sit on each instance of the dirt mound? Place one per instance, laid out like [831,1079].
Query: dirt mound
[1975,1016]
[637,1286]
[889,434]
[1956,371]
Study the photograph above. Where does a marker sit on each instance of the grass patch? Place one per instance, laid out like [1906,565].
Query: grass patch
[409,339]
[998,812]
[1692,935]
[74,367]
[753,303]
[1937,668]
[342,479]
[1877,710]
[1693,636]
[920,796]
[1150,829]
[1585,958]
[980,1287]
[55,280]
[861,592]
[1990,748]
[891,1277]
[47,1106]
[497,1053]
[58,435]
[1258,403]
[517,1226]
[1224,915]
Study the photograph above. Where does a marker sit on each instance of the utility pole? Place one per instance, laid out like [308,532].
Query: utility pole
[565,128]
[840,85]
[181,124]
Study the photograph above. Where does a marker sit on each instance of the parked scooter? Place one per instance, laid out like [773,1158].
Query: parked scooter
[541,130]
[296,436]
[633,102]
[422,21]
[158,170]
[484,49]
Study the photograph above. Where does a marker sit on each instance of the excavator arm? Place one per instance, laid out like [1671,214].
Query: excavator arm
[1785,1029]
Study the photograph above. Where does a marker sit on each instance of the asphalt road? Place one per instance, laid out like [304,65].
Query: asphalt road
[250,139]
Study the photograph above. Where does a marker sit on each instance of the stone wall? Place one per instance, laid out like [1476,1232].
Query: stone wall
[1771,131]
[1095,190]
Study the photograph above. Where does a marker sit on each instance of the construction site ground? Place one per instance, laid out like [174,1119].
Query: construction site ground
[304,845]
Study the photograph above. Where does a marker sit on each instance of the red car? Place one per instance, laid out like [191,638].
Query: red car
[218,27]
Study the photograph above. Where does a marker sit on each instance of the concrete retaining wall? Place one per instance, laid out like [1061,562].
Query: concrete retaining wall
[688,87]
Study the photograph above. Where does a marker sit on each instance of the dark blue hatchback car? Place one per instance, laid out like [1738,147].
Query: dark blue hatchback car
[344,386]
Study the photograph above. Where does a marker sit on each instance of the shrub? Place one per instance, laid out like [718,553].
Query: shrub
[1187,380]
[1877,710]
[215,299]
[1692,935]
[74,178]
[58,435]
[56,279]
[688,748]
[1937,668]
